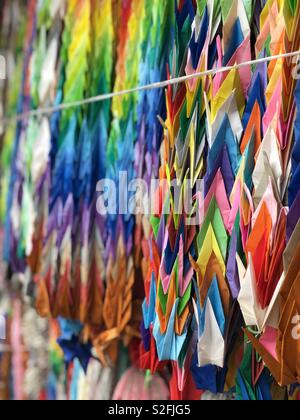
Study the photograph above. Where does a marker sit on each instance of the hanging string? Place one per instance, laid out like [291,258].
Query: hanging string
[158,85]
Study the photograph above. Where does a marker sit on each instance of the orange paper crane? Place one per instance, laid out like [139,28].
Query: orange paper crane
[120,313]
[282,355]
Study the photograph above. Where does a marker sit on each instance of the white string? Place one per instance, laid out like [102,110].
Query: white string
[157,85]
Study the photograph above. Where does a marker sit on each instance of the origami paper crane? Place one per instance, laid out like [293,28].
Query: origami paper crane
[196,286]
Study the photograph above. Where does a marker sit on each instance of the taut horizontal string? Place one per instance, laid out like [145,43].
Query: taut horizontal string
[158,85]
